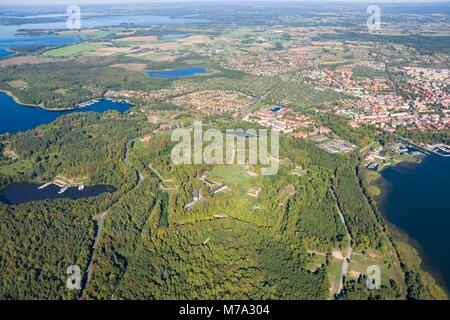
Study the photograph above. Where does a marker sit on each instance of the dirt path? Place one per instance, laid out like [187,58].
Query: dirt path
[159,176]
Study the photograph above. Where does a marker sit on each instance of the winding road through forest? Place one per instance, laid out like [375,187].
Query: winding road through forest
[348,255]
[102,217]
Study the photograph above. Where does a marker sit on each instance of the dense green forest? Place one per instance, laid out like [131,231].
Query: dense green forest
[194,255]
[87,145]
[150,246]
[214,231]
[363,225]
[39,241]
[75,82]
[228,246]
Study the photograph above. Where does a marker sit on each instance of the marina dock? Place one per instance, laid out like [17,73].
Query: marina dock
[45,185]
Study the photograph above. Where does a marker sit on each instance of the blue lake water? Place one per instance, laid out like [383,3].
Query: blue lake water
[177,73]
[35,41]
[5,53]
[8,38]
[26,192]
[15,117]
[174,35]
[415,199]
[92,21]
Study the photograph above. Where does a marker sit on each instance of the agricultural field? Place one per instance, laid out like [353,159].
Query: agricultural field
[335,56]
[73,50]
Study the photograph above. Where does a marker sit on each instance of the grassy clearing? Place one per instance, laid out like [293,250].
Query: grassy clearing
[139,145]
[316,261]
[371,176]
[73,50]
[238,203]
[334,269]
[21,166]
[360,262]
[233,175]
[285,194]
[336,57]
[18,84]
[374,191]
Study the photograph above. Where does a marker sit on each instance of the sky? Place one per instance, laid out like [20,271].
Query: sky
[65,2]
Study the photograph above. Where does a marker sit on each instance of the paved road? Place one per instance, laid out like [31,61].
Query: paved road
[344,271]
[127,150]
[97,236]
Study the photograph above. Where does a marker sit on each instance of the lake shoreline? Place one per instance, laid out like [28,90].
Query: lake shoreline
[9,53]
[410,249]
[17,193]
[30,105]
[9,50]
[16,117]
[18,101]
[415,160]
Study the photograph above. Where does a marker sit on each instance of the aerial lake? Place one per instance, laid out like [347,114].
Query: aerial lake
[174,35]
[5,53]
[415,199]
[34,41]
[177,73]
[10,39]
[15,117]
[26,192]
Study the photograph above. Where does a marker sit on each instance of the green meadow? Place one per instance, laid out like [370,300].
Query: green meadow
[73,50]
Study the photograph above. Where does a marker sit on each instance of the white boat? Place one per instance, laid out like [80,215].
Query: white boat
[45,185]
[81,187]
[62,190]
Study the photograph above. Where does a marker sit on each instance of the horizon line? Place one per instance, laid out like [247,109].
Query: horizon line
[119,2]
